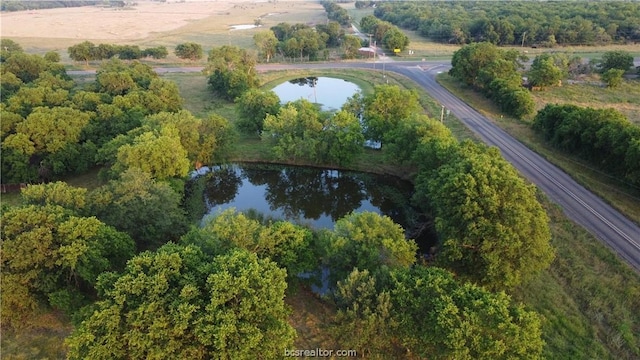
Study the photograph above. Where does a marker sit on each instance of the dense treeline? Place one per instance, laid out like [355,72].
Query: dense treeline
[517,22]
[301,41]
[17,5]
[336,13]
[604,137]
[384,32]
[50,128]
[494,72]
[87,51]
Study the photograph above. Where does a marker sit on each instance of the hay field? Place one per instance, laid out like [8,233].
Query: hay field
[150,23]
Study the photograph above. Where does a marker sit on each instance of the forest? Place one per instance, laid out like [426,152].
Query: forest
[18,5]
[139,280]
[522,23]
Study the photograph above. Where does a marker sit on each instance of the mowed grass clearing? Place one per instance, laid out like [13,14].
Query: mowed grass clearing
[624,98]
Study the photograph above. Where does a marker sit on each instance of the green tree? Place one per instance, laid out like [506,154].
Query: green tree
[394,38]
[616,59]
[613,77]
[386,107]
[363,321]
[350,46]
[266,42]
[232,71]
[189,50]
[181,304]
[52,256]
[82,52]
[55,193]
[7,48]
[283,242]
[146,209]
[544,71]
[159,154]
[334,33]
[26,67]
[368,23]
[159,52]
[366,241]
[403,141]
[491,227]
[441,319]
[342,137]
[253,106]
[51,129]
[295,131]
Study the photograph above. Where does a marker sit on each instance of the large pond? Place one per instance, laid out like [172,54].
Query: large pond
[330,93]
[311,196]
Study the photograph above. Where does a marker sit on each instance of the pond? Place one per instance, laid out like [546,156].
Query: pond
[312,196]
[330,93]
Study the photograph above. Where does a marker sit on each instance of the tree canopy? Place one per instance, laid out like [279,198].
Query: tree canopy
[180,303]
[492,229]
[52,256]
[146,209]
[189,50]
[516,23]
[231,71]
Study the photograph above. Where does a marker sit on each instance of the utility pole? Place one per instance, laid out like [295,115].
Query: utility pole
[442,115]
[523,36]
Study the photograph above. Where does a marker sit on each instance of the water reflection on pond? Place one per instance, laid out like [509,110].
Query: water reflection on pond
[331,93]
[317,197]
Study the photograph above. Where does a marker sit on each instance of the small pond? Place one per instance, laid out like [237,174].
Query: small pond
[312,196]
[330,93]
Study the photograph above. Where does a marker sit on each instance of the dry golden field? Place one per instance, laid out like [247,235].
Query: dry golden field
[151,23]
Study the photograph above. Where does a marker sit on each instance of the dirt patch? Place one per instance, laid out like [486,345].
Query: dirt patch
[103,23]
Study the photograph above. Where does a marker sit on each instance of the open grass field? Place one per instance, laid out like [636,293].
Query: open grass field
[611,189]
[625,98]
[151,23]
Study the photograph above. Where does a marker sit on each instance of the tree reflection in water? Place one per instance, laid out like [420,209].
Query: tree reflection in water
[308,193]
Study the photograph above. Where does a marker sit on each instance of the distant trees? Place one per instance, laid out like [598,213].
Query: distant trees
[617,59]
[495,73]
[613,77]
[350,46]
[267,43]
[545,71]
[516,23]
[189,50]
[86,51]
[384,33]
[336,13]
[232,71]
[605,137]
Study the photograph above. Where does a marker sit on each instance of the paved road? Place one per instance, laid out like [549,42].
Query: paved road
[579,204]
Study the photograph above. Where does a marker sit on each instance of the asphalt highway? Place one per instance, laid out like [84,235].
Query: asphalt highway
[579,204]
